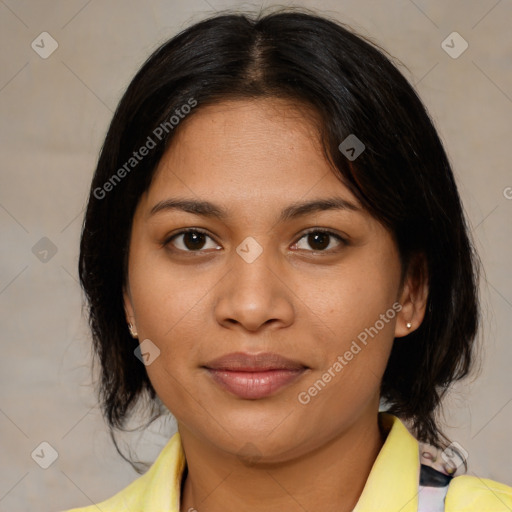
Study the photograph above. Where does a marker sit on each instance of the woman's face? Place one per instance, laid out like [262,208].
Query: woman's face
[267,334]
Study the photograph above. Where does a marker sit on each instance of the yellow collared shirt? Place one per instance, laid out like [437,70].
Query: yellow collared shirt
[392,485]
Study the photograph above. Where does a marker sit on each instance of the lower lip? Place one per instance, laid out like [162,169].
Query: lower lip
[254,385]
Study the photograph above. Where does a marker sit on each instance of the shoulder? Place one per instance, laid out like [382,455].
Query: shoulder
[468,493]
[124,501]
[464,493]
[158,489]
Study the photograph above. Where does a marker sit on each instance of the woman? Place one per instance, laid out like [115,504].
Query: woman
[274,245]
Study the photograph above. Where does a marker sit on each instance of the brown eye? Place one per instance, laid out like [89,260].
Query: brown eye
[190,240]
[319,240]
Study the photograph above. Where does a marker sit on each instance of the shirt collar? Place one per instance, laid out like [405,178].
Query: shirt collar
[392,485]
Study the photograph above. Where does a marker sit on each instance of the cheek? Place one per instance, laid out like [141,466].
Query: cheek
[166,300]
[168,310]
[167,313]
[358,308]
[356,294]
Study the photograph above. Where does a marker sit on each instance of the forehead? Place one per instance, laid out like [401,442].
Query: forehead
[247,150]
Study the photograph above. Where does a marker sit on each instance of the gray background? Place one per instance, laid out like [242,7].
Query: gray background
[54,114]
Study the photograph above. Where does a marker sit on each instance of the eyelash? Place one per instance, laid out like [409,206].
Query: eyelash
[339,238]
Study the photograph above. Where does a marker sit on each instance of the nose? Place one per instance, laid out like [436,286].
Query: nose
[255,295]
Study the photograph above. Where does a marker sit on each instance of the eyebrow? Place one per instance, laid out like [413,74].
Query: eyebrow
[294,210]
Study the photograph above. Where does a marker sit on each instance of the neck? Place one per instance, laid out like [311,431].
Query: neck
[333,475]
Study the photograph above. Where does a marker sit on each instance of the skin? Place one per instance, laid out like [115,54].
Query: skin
[254,158]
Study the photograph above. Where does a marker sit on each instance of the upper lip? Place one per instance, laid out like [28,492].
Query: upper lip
[244,362]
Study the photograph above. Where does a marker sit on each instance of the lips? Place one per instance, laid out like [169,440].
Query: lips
[254,376]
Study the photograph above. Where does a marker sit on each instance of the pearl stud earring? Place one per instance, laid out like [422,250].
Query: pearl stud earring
[132,330]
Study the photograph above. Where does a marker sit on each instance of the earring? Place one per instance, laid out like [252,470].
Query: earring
[409,325]
[132,330]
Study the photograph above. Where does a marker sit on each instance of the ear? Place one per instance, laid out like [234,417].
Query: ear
[128,306]
[413,296]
